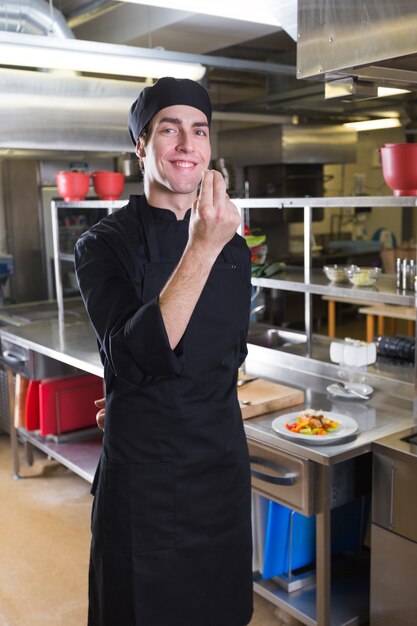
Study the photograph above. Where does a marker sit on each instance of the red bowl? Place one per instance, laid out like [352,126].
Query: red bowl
[108,185]
[399,167]
[72,186]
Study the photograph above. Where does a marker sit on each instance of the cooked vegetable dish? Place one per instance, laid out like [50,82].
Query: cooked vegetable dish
[312,422]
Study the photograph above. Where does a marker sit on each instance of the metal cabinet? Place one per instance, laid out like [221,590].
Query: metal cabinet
[393,580]
[394,536]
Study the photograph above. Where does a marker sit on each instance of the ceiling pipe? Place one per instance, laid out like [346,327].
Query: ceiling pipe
[35,17]
[90,11]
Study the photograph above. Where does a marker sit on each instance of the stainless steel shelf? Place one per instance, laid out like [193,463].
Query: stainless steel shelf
[293,279]
[81,457]
[92,204]
[351,581]
[300,203]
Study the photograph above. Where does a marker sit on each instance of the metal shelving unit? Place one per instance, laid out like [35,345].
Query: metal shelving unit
[59,256]
[324,603]
[313,282]
[292,279]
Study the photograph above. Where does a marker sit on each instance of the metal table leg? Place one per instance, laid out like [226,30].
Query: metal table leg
[323,540]
[13,432]
[28,453]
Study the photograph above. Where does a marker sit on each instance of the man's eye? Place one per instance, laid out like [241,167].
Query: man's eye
[168,131]
[201,133]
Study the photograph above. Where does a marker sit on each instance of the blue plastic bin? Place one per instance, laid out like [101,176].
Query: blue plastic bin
[347,535]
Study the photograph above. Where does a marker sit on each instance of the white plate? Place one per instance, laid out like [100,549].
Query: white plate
[365,390]
[347,427]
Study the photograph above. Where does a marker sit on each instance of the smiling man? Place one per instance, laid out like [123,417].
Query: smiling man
[166,283]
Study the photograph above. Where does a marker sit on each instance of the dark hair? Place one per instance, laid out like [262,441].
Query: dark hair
[144,136]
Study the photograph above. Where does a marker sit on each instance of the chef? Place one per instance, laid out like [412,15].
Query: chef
[166,284]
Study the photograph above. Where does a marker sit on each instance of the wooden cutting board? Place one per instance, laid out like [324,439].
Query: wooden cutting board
[261,396]
[21,388]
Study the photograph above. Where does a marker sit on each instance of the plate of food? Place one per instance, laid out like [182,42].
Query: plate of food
[317,428]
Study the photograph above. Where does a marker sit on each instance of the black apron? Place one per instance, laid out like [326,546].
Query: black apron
[171,526]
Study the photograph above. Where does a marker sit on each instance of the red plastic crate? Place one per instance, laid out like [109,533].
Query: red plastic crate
[67,404]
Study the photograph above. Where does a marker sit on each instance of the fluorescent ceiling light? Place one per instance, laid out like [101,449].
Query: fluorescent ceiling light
[390,91]
[88,56]
[259,12]
[389,122]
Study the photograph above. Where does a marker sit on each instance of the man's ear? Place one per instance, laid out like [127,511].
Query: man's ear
[140,149]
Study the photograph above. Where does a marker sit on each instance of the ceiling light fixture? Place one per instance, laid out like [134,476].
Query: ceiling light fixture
[383,92]
[387,122]
[21,50]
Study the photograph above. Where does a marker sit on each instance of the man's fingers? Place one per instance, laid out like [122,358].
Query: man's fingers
[101,403]
[219,190]
[100,418]
[206,189]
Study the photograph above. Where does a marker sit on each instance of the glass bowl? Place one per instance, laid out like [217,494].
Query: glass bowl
[336,273]
[363,276]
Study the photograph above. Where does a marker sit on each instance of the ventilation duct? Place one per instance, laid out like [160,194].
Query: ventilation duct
[48,111]
[34,17]
[45,111]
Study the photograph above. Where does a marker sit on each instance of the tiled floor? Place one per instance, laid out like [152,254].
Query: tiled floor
[44,530]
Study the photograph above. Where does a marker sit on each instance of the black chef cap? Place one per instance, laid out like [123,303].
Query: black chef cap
[164,93]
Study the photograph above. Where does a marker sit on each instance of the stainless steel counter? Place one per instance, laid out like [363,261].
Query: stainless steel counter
[389,410]
[28,312]
[401,443]
[71,342]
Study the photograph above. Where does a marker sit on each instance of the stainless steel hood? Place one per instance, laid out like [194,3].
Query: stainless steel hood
[304,143]
[373,41]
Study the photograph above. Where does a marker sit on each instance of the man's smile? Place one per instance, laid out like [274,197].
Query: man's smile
[185,164]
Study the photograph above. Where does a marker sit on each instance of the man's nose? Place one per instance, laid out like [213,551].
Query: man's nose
[185,141]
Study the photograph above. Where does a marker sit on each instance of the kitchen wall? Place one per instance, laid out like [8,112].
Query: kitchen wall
[361,177]
[23,221]
[364,177]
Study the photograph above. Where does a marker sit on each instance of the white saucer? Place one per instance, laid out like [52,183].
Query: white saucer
[365,390]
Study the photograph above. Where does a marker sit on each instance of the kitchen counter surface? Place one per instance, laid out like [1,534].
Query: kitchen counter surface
[400,443]
[388,411]
[71,342]
[28,312]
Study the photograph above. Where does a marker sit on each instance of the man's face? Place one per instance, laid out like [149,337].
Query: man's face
[177,150]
